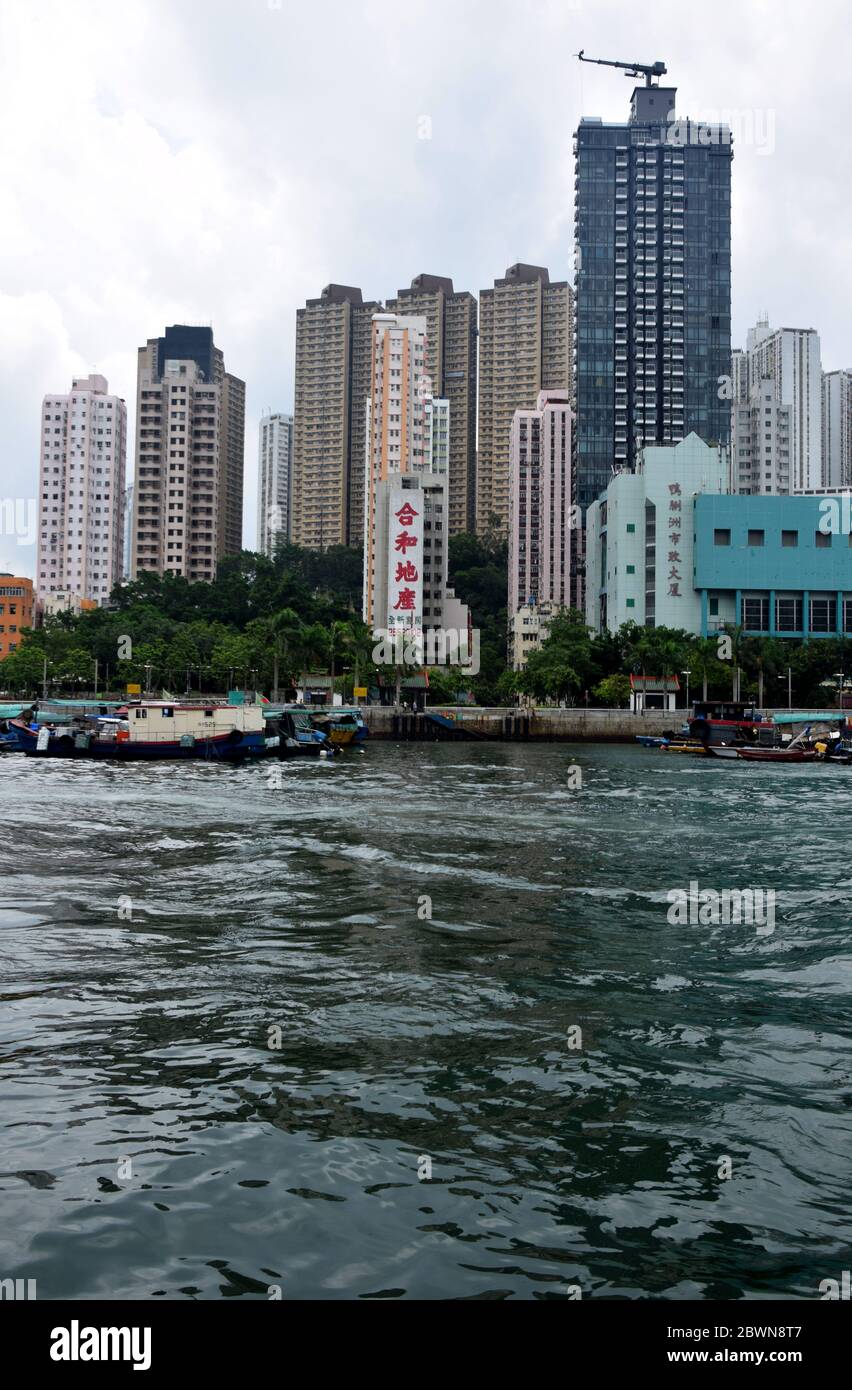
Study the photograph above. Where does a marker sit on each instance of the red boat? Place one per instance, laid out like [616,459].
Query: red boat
[777,755]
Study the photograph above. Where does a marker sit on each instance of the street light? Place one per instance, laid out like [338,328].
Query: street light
[789,686]
[840,680]
[687,674]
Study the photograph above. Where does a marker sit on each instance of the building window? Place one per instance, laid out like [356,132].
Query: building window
[822,539]
[822,614]
[789,538]
[755,537]
[755,616]
[714,608]
[631,603]
[721,536]
[788,614]
[631,569]
[631,527]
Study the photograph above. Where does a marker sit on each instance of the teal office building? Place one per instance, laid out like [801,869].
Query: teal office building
[776,566]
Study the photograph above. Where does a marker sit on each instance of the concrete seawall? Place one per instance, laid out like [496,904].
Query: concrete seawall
[513,725]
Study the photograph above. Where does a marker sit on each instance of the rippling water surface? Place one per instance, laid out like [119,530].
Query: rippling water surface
[405,1039]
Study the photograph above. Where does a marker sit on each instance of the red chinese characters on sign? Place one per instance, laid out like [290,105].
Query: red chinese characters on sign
[405,567]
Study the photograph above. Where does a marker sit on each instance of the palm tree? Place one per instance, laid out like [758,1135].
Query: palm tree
[738,639]
[703,659]
[285,630]
[358,645]
[312,647]
[337,636]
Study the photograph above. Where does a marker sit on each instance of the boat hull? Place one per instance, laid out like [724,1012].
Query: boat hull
[776,755]
[222,748]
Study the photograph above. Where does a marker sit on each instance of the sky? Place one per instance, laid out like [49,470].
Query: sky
[220,161]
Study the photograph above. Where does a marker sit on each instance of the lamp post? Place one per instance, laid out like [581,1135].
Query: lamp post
[789,679]
[687,674]
[840,679]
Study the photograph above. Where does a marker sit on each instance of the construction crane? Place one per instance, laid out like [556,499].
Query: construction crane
[648,70]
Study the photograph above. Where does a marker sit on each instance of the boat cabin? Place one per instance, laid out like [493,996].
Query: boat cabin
[160,722]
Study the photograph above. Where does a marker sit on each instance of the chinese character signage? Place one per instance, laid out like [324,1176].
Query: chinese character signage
[405,561]
[675,532]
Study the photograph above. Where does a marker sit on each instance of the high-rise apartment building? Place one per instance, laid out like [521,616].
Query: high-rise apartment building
[439,437]
[760,443]
[81,492]
[653,285]
[127,533]
[837,429]
[739,375]
[274,469]
[525,346]
[395,439]
[542,531]
[333,346]
[232,465]
[190,446]
[406,496]
[451,332]
[790,359]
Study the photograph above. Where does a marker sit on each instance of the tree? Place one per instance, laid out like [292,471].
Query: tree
[285,629]
[311,648]
[358,646]
[445,682]
[564,665]
[75,668]
[231,655]
[22,671]
[614,690]
[704,662]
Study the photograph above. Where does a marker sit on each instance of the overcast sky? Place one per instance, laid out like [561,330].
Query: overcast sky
[220,161]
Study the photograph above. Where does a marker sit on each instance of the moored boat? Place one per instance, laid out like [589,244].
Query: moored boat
[297,733]
[152,730]
[725,721]
[776,755]
[339,728]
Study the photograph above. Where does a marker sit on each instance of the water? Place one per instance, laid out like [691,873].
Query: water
[406,1040]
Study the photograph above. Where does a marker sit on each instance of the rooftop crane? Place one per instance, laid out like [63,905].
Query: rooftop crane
[648,70]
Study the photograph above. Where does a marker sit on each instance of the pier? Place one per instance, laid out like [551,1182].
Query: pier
[511,725]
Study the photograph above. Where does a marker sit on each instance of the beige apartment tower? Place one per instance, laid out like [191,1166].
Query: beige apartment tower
[525,347]
[333,345]
[190,445]
[451,329]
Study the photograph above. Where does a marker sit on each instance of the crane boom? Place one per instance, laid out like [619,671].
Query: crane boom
[646,70]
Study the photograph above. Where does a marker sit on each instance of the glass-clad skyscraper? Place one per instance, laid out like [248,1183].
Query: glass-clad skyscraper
[653,285]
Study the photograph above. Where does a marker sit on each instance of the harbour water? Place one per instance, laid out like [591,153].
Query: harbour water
[157,922]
